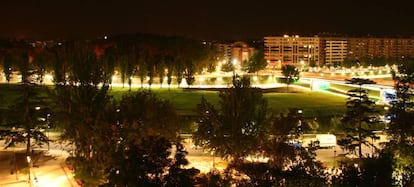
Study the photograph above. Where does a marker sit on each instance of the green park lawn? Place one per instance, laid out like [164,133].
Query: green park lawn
[314,104]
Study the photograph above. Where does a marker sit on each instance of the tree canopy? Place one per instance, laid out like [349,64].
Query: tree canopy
[235,130]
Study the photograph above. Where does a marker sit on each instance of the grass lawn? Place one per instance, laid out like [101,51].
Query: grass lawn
[312,103]
[185,101]
[8,93]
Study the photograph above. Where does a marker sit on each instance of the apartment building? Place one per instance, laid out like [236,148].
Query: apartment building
[317,51]
[235,52]
[225,52]
[387,48]
[293,50]
[333,50]
[241,52]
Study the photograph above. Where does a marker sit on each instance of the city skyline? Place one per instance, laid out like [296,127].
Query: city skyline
[229,20]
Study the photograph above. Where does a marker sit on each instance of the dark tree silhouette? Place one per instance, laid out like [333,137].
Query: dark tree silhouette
[236,129]
[401,127]
[290,73]
[255,63]
[7,67]
[360,117]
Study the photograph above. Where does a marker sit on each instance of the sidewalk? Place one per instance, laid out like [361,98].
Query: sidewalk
[49,171]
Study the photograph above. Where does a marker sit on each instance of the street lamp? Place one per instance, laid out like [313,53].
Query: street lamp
[48,130]
[234,62]
[214,161]
[29,162]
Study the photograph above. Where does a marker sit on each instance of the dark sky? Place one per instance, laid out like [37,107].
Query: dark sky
[203,19]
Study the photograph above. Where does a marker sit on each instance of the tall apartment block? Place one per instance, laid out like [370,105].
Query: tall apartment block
[333,50]
[293,50]
[387,48]
[300,51]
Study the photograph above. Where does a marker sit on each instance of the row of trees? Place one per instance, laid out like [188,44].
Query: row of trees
[144,56]
[132,55]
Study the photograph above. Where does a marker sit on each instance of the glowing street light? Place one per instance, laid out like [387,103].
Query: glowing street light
[234,62]
[29,162]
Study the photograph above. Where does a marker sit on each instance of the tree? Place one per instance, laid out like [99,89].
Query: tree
[108,61]
[177,174]
[26,110]
[60,61]
[283,130]
[255,63]
[289,163]
[28,113]
[7,67]
[360,118]
[290,73]
[179,69]
[349,62]
[401,127]
[152,115]
[142,70]
[140,162]
[227,67]
[170,68]
[236,129]
[160,70]
[82,109]
[374,171]
[41,59]
[21,58]
[189,73]
[145,128]
[127,69]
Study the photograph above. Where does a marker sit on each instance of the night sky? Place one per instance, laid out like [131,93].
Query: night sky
[203,19]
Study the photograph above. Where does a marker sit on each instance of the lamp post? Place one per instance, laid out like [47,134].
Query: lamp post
[48,130]
[214,162]
[28,158]
[234,62]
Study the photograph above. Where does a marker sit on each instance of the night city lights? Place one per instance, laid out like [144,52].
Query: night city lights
[206,93]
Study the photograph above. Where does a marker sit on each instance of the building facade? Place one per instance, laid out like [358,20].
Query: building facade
[387,48]
[241,52]
[319,51]
[293,50]
[333,50]
[236,52]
